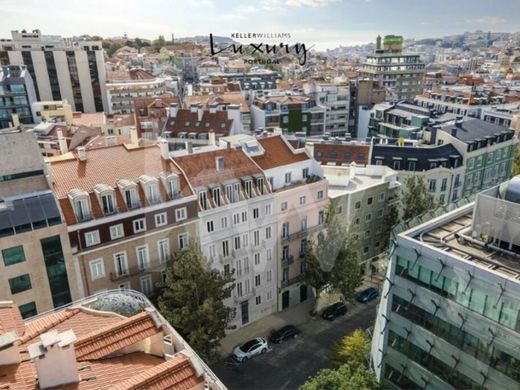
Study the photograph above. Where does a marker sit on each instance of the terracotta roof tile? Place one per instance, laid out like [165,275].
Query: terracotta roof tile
[187,121]
[176,373]
[223,98]
[200,168]
[11,319]
[112,338]
[278,153]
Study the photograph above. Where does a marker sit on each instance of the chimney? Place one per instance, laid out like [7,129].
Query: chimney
[213,108]
[9,353]
[200,111]
[189,147]
[134,138]
[277,131]
[378,42]
[459,121]
[164,147]
[211,137]
[62,143]
[55,359]
[174,108]
[194,108]
[454,132]
[16,120]
[82,153]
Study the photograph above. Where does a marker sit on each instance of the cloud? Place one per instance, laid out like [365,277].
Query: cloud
[490,20]
[278,4]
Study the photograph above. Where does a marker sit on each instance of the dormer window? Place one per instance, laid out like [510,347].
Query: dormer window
[81,204]
[260,184]
[105,195]
[203,200]
[151,189]
[219,164]
[171,182]
[248,184]
[217,197]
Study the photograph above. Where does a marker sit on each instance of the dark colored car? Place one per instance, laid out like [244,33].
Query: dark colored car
[334,311]
[282,334]
[367,295]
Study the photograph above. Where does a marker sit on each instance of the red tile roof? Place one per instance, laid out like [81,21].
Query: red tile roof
[10,319]
[278,153]
[187,121]
[218,98]
[200,168]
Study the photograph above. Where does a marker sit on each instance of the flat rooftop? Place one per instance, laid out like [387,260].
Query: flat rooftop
[448,237]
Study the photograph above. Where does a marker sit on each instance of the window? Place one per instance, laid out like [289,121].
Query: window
[269,254]
[256,237]
[239,289]
[257,280]
[117,231]
[225,248]
[256,213]
[397,165]
[146,284]
[152,193]
[210,226]
[28,310]
[245,240]
[382,197]
[302,200]
[380,213]
[237,242]
[236,218]
[20,283]
[139,225]
[120,263]
[183,241]
[268,209]
[97,269]
[163,247]
[143,260]
[107,201]
[268,233]
[303,224]
[288,178]
[92,238]
[357,205]
[285,230]
[257,258]
[305,173]
[244,216]
[203,200]
[370,200]
[220,164]
[223,222]
[160,219]
[13,255]
[181,214]
[411,165]
[285,119]
[269,275]
[82,209]
[284,206]
[368,217]
[248,185]
[321,217]
[433,184]
[212,250]
[319,195]
[258,300]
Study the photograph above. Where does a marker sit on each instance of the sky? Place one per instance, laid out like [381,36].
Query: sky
[322,23]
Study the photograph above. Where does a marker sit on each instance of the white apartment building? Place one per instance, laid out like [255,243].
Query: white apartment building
[237,225]
[60,68]
[335,98]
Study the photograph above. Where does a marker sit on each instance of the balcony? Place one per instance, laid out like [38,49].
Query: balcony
[243,297]
[287,261]
[296,279]
[84,217]
[134,205]
[130,271]
[302,233]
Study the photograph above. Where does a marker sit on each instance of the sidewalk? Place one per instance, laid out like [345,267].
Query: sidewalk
[296,315]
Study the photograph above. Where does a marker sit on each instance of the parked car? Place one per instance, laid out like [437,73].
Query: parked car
[282,334]
[249,349]
[367,295]
[334,311]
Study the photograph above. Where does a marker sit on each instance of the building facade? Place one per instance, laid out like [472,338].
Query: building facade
[449,314]
[60,68]
[125,219]
[36,270]
[16,95]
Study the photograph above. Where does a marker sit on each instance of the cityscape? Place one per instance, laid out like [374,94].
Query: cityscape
[291,194]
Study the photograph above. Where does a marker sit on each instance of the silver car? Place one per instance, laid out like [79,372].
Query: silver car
[249,349]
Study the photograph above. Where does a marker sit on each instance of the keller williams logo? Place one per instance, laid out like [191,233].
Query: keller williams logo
[299,49]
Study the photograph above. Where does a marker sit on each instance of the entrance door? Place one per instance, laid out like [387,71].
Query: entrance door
[285,300]
[303,293]
[244,308]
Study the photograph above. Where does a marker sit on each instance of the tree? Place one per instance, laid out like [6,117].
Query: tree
[192,301]
[332,261]
[415,199]
[516,164]
[352,349]
[158,43]
[346,377]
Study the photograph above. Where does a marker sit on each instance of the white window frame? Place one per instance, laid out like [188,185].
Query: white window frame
[180,238]
[116,271]
[117,231]
[92,238]
[146,278]
[142,249]
[181,214]
[92,265]
[163,216]
[139,221]
[166,256]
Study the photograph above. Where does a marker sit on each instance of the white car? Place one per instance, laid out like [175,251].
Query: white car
[249,349]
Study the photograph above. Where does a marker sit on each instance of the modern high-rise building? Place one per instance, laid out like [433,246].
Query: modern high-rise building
[400,72]
[449,316]
[60,68]
[16,95]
